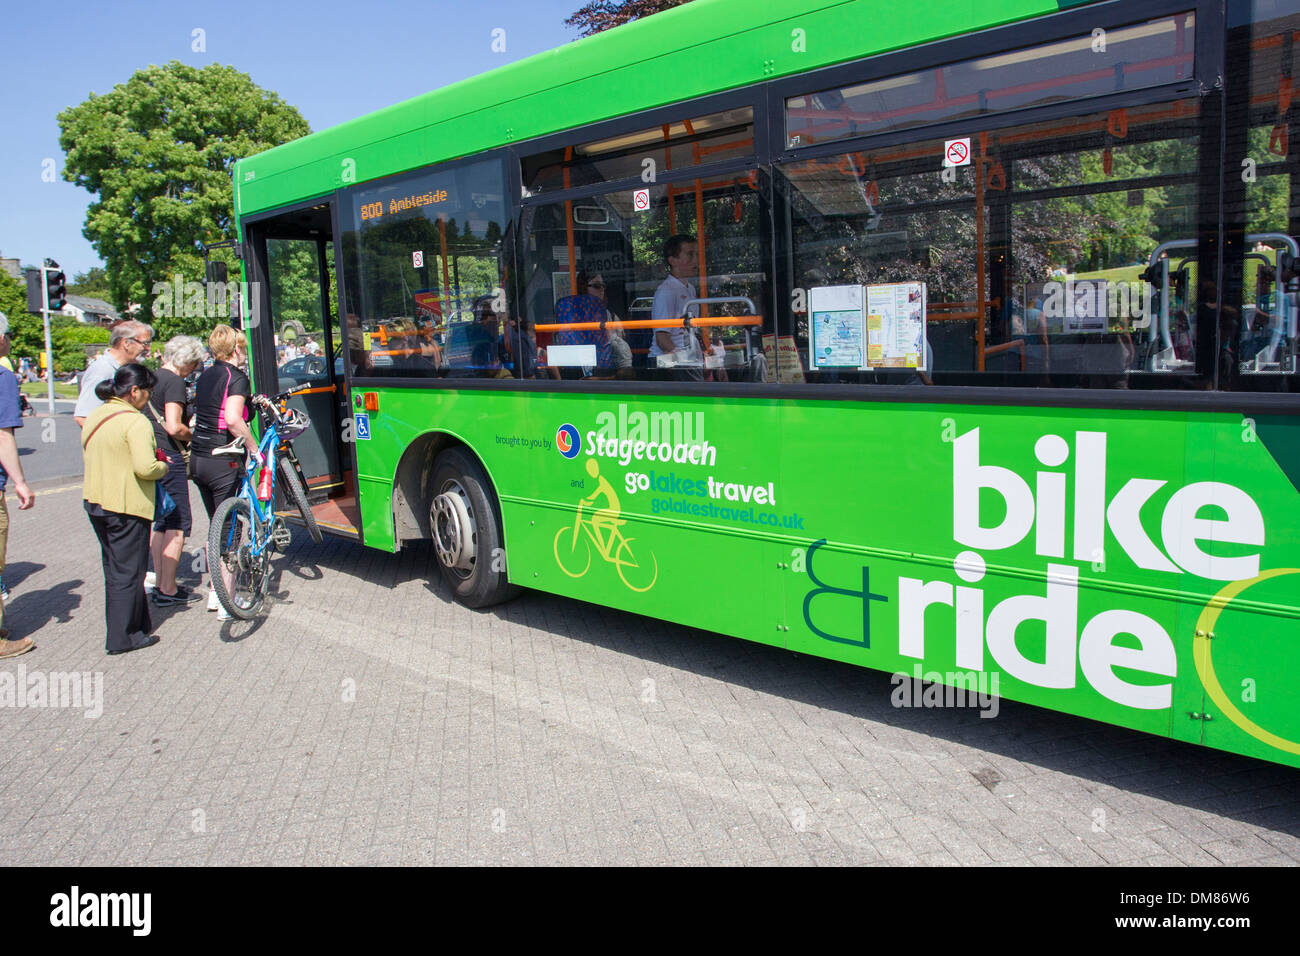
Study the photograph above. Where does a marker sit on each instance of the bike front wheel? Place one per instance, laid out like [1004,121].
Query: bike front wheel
[573,557]
[230,546]
[297,496]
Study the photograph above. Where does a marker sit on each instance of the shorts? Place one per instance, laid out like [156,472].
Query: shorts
[177,486]
[217,478]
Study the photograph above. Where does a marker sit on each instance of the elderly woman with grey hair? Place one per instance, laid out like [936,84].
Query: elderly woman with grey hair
[182,355]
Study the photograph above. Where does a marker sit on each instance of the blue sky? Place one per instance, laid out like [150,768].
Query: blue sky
[333,60]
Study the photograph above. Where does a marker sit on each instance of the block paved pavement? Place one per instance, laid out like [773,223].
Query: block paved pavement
[369,719]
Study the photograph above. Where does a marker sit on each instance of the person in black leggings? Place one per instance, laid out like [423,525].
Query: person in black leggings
[222,408]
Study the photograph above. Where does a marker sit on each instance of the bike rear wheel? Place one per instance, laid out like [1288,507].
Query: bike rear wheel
[297,496]
[230,540]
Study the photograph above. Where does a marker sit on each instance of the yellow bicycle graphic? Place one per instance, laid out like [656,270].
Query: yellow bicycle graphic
[1201,654]
[603,528]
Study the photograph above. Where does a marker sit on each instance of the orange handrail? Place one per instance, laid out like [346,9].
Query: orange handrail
[722,320]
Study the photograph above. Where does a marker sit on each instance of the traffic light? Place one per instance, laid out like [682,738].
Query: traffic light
[35,302]
[56,286]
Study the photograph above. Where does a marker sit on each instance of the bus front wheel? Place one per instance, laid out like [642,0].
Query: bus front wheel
[466,526]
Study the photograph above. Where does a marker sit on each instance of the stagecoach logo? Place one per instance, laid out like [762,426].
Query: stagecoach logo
[568,441]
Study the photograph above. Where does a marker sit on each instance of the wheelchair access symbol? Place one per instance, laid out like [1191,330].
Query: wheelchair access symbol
[362,426]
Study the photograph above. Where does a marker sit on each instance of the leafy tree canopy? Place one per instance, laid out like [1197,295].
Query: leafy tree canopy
[27,331]
[92,283]
[13,302]
[157,151]
[601,15]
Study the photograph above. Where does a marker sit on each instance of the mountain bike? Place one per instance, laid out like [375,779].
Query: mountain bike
[245,529]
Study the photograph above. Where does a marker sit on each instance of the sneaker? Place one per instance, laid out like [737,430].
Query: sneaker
[223,614]
[150,580]
[213,603]
[4,595]
[181,597]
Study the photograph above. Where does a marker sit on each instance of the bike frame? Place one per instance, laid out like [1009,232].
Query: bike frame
[261,512]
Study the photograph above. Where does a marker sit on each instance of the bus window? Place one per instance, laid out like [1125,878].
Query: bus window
[677,144]
[1060,254]
[665,283]
[1259,323]
[423,251]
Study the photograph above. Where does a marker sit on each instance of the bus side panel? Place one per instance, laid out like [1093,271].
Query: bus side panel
[1250,667]
[638,504]
[1056,559]
[1043,555]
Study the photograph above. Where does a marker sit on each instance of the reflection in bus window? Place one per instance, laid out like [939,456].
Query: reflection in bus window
[1063,253]
[1133,56]
[422,251]
[593,266]
[1259,342]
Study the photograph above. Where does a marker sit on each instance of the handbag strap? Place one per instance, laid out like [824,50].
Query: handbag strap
[163,425]
[86,440]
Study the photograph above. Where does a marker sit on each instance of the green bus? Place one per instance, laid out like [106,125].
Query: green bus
[958,344]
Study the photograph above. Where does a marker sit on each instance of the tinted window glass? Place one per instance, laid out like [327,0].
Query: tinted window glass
[1105,61]
[428,257]
[1258,320]
[610,297]
[1063,255]
[643,154]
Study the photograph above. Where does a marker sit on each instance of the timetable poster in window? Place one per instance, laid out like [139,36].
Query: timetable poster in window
[896,326]
[838,338]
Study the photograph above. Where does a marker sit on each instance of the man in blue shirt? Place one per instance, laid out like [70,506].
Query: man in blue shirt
[11,417]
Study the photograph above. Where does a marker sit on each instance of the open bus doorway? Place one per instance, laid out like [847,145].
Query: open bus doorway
[297,341]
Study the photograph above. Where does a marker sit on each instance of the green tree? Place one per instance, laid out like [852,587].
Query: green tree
[157,151]
[13,301]
[70,338]
[26,331]
[602,15]
[93,283]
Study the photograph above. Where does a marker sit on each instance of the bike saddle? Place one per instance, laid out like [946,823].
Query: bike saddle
[234,449]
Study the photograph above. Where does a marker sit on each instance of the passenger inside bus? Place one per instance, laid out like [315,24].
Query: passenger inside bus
[676,348]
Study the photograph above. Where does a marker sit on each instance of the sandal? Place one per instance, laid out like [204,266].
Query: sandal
[10,648]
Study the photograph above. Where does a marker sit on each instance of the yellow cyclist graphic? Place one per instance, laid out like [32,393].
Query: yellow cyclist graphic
[603,527]
[605,521]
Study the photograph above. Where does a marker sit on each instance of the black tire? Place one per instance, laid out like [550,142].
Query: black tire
[484,582]
[297,497]
[251,584]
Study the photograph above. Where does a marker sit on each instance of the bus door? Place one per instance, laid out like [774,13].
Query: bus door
[301,343]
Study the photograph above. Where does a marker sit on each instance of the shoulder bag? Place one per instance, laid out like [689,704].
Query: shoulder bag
[163,503]
[182,447]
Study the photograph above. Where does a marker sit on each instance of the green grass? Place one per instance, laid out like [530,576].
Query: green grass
[1119,274]
[38,390]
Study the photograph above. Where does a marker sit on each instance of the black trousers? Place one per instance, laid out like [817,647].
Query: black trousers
[124,545]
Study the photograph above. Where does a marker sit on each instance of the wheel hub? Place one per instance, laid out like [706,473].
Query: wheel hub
[453,528]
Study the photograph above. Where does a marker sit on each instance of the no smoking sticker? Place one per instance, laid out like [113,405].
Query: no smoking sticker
[417,260]
[956,152]
[641,200]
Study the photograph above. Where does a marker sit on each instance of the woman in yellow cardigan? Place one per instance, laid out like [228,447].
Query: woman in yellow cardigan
[122,465]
